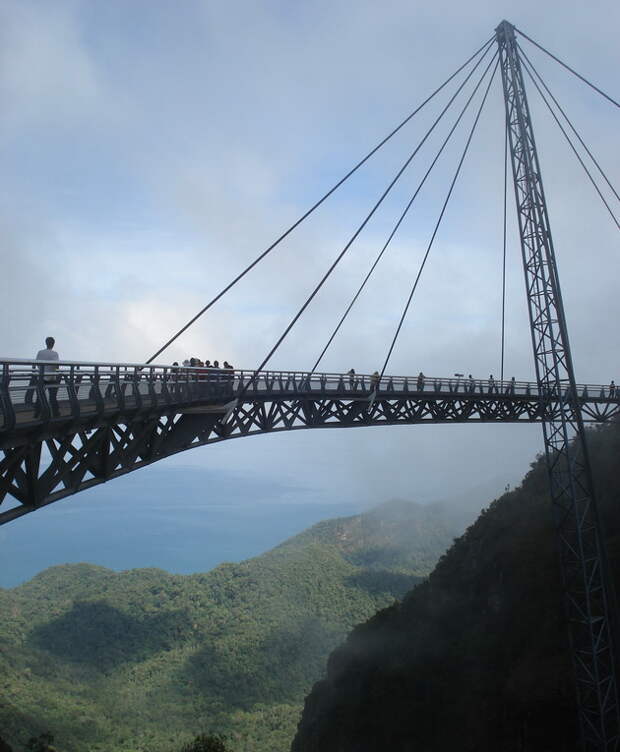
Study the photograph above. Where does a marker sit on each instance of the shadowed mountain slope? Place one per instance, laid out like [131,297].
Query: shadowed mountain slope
[476,657]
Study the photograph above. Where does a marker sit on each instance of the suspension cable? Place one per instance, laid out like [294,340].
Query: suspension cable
[570,143]
[574,72]
[571,126]
[338,258]
[402,216]
[501,378]
[484,48]
[443,209]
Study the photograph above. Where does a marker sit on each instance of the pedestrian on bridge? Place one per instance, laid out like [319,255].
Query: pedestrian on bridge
[612,389]
[492,387]
[50,376]
[374,381]
[420,382]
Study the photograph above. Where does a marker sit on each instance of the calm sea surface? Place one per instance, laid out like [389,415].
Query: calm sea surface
[182,520]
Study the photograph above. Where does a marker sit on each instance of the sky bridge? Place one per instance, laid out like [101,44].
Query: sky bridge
[67,426]
[97,421]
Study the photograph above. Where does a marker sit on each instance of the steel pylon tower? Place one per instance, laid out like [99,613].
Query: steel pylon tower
[581,545]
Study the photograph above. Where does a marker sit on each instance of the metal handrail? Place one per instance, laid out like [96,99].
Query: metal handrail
[30,394]
[74,369]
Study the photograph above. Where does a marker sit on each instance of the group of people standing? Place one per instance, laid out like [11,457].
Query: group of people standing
[197,363]
[204,375]
[469,384]
[375,378]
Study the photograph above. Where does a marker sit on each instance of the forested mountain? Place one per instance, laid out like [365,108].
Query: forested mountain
[475,657]
[144,661]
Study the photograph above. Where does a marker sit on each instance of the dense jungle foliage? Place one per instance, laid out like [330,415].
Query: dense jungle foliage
[475,657]
[144,661]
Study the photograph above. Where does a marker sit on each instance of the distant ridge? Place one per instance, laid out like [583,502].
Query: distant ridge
[142,659]
[384,536]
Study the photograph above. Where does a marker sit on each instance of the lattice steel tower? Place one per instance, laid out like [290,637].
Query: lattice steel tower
[582,552]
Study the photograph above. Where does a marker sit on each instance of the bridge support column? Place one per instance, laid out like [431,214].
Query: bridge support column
[582,551]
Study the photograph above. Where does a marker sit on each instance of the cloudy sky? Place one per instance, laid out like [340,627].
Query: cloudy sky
[151,149]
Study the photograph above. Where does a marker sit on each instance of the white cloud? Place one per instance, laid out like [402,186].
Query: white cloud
[46,72]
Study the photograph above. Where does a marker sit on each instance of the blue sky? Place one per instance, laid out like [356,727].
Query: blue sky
[151,149]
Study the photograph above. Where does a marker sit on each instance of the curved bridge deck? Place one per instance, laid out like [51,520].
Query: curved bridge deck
[65,430]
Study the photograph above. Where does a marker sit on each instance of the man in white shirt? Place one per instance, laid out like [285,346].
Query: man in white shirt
[50,374]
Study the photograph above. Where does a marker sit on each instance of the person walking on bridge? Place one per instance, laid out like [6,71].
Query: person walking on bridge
[50,375]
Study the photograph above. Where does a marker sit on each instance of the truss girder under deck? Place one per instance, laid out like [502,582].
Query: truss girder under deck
[41,465]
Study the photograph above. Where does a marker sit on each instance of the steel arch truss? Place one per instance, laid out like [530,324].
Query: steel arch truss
[37,469]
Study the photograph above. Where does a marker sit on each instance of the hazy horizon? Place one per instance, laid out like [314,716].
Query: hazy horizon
[162,520]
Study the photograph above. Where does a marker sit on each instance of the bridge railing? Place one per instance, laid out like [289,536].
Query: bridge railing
[34,391]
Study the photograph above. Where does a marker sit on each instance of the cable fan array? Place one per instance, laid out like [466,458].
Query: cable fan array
[484,59]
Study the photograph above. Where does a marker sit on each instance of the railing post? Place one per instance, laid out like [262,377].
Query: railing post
[120,387]
[95,391]
[71,392]
[43,408]
[167,377]
[8,409]
[151,387]
[136,387]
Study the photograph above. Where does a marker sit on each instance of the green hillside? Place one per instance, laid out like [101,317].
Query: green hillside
[144,660]
[475,658]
